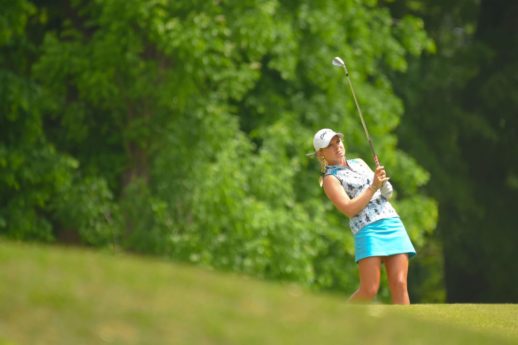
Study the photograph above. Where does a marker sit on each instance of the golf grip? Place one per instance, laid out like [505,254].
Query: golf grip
[377,161]
[374,155]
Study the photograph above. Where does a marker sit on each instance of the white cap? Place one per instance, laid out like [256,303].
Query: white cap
[323,137]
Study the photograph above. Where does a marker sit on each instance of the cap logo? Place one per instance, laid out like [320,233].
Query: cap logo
[323,135]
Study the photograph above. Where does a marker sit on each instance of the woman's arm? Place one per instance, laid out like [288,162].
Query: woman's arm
[336,193]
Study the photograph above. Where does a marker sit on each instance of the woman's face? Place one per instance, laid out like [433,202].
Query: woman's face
[335,152]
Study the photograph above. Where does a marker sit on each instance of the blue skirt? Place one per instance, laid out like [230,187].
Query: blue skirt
[384,237]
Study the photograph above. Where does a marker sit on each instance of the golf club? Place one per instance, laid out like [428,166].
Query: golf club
[340,63]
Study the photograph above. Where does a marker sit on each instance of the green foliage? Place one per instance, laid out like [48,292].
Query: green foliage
[41,189]
[460,122]
[180,128]
[147,222]
[87,206]
[30,180]
[15,14]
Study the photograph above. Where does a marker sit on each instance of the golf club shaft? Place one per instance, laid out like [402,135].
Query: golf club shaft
[375,156]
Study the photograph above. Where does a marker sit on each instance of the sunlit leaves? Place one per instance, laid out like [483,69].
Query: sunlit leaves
[183,128]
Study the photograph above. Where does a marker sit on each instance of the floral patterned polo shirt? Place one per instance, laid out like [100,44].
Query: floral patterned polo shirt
[355,178]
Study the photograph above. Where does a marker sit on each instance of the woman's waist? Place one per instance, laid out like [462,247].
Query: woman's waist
[371,214]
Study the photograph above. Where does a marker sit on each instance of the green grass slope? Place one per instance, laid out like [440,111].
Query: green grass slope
[54,295]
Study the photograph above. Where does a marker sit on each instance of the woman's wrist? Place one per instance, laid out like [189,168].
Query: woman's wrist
[373,189]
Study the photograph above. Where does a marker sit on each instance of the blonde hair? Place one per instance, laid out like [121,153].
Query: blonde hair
[323,165]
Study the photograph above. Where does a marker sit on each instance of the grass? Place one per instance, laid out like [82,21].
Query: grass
[55,295]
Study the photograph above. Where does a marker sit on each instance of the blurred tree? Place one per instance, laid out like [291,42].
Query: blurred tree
[467,139]
[37,182]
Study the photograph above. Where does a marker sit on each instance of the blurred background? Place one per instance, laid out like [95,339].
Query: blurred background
[179,129]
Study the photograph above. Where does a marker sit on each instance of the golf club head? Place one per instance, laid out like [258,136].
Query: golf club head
[338,62]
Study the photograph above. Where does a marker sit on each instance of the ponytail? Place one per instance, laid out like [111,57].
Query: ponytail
[323,165]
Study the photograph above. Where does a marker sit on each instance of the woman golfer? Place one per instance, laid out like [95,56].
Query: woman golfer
[379,235]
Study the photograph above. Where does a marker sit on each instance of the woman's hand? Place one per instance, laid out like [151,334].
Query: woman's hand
[380,176]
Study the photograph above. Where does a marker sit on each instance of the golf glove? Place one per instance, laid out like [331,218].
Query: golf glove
[386,190]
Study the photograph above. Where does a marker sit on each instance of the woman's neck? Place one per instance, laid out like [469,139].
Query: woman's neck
[341,161]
